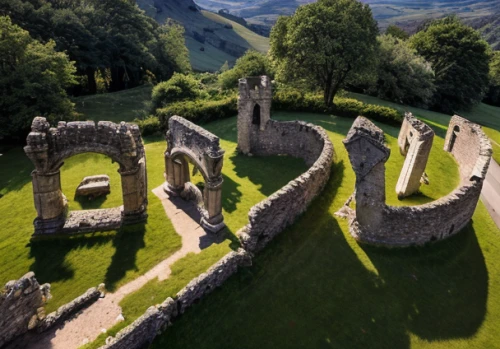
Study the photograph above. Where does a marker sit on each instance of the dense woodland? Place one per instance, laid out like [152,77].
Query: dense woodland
[54,50]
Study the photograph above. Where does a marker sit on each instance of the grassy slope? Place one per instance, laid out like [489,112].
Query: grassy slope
[258,42]
[315,287]
[211,58]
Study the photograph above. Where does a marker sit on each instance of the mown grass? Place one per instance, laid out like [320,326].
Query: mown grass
[315,287]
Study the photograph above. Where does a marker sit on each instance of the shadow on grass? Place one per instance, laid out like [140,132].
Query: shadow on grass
[312,288]
[87,203]
[15,170]
[248,167]
[50,254]
[127,242]
[231,196]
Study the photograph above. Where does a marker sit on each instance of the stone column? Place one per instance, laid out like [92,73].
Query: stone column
[134,192]
[176,175]
[213,219]
[50,203]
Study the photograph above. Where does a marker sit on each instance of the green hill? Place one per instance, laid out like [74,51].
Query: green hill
[210,38]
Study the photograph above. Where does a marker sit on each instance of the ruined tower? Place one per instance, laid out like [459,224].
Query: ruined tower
[254,109]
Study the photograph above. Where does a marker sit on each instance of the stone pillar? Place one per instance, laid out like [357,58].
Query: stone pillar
[134,191]
[176,174]
[50,203]
[213,219]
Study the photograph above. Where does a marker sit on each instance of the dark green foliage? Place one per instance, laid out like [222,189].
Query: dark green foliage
[199,111]
[104,35]
[325,43]
[493,95]
[33,79]
[293,100]
[402,75]
[252,63]
[179,87]
[148,126]
[460,61]
[397,32]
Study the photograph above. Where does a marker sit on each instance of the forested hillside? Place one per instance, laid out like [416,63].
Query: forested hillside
[211,39]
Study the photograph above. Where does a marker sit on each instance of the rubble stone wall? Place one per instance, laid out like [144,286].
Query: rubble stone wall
[157,318]
[21,305]
[376,223]
[297,139]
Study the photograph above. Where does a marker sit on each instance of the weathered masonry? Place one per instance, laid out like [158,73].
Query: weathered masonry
[189,142]
[415,143]
[254,109]
[48,148]
[374,222]
[265,137]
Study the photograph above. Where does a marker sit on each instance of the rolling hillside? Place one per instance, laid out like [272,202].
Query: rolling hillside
[210,38]
[481,14]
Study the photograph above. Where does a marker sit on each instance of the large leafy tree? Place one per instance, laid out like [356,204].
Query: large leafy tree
[33,80]
[493,95]
[460,60]
[403,75]
[324,43]
[112,36]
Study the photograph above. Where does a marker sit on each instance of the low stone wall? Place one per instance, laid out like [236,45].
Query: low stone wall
[21,306]
[297,139]
[70,308]
[376,223]
[142,331]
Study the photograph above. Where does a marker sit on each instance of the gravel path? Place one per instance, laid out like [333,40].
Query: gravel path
[104,313]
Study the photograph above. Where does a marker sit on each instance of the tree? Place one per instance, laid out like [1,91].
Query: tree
[252,63]
[179,87]
[493,95]
[403,75]
[460,60]
[324,43]
[33,79]
[397,32]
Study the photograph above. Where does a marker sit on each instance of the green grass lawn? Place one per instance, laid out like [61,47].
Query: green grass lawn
[312,287]
[315,287]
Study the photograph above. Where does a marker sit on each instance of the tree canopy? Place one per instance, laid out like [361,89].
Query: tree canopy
[403,76]
[460,60]
[100,35]
[324,43]
[493,95]
[252,63]
[33,79]
[397,32]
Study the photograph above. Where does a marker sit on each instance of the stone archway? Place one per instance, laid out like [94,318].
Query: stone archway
[186,140]
[48,148]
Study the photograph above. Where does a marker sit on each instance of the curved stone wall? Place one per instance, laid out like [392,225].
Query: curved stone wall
[297,139]
[376,223]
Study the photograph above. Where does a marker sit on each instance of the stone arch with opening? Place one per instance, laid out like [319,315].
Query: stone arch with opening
[48,148]
[187,142]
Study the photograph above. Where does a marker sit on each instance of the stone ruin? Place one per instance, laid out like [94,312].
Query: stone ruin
[254,109]
[415,143]
[48,148]
[259,135]
[372,221]
[189,142]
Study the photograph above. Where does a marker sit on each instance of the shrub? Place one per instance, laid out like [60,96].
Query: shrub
[199,111]
[148,126]
[179,87]
[294,100]
[252,63]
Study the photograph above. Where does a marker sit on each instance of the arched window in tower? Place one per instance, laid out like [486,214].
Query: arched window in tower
[456,131]
[256,115]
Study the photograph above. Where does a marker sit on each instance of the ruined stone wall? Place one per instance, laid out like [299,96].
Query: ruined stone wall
[297,139]
[415,143]
[376,223]
[157,318]
[48,147]
[21,305]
